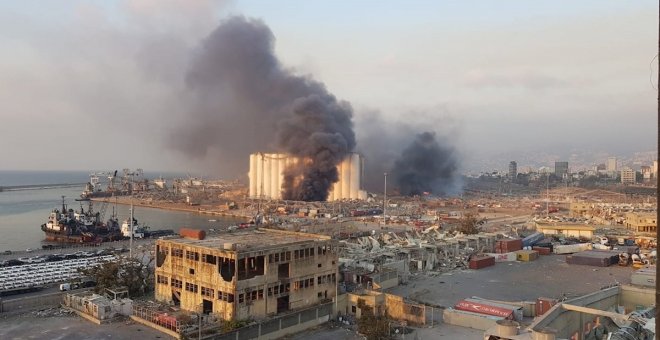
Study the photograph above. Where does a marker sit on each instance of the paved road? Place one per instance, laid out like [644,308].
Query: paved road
[75,248]
[29,326]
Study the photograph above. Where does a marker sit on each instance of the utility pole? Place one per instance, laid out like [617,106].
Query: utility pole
[657,185]
[385,200]
[131,174]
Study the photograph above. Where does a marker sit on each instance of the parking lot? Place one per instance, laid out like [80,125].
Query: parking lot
[38,273]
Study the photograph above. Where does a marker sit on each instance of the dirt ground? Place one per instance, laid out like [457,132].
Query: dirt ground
[28,326]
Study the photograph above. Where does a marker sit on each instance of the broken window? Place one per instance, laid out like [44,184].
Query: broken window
[227,268]
[161,255]
[206,258]
[250,267]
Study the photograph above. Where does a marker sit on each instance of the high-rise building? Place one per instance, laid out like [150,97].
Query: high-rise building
[628,176]
[611,164]
[513,170]
[561,169]
[655,169]
[647,172]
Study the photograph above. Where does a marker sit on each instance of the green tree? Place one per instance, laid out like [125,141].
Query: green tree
[469,224]
[133,273]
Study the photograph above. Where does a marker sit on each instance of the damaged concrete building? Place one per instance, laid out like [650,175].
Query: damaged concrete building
[247,274]
[374,262]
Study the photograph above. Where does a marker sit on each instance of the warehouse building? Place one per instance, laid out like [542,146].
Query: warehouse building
[641,222]
[247,274]
[567,229]
[267,176]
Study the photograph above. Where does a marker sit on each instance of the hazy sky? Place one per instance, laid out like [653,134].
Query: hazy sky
[97,84]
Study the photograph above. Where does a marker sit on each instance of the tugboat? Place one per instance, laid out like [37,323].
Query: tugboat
[138,232]
[69,226]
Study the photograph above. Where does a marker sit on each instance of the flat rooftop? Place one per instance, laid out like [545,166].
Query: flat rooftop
[564,226]
[251,240]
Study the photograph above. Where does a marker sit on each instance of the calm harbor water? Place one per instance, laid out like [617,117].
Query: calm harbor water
[22,212]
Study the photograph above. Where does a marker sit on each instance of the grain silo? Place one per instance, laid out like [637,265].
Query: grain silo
[267,176]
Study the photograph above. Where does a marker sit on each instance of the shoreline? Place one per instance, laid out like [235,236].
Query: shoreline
[175,207]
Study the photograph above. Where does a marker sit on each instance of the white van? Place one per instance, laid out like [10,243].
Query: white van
[68,286]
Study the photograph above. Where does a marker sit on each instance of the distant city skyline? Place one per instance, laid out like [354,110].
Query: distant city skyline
[98,84]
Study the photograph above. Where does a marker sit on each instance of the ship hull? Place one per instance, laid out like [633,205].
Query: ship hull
[54,236]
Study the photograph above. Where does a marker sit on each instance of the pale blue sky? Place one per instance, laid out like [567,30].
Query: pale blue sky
[494,76]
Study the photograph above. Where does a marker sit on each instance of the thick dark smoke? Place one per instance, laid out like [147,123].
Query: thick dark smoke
[242,100]
[321,131]
[425,166]
[415,162]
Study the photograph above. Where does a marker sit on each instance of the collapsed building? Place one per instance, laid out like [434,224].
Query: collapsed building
[382,261]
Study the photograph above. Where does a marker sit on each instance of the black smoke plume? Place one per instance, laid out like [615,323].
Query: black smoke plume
[425,166]
[242,100]
[415,162]
[321,132]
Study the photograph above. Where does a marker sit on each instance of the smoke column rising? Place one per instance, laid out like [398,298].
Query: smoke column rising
[242,100]
[320,130]
[416,162]
[425,166]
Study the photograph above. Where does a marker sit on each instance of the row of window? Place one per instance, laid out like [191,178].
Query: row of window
[306,283]
[225,296]
[279,257]
[191,287]
[303,253]
[272,258]
[208,292]
[298,254]
[279,289]
[326,278]
[251,296]
[192,255]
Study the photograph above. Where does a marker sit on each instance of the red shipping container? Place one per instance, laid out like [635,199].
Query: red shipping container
[192,233]
[507,246]
[478,262]
[484,309]
[542,250]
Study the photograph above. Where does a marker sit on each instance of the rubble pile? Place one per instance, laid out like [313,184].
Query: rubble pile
[53,312]
[427,251]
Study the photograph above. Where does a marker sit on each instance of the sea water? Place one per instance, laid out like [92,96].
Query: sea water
[24,208]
